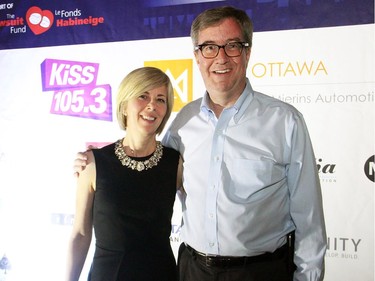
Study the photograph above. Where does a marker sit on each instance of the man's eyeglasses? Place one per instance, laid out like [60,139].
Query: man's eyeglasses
[231,49]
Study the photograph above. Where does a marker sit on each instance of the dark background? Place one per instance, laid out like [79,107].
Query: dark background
[136,20]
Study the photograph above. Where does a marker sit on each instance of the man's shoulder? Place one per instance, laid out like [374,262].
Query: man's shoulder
[270,101]
[191,108]
[188,112]
[193,104]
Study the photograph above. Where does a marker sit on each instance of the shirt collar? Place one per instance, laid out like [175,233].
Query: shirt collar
[205,107]
[241,104]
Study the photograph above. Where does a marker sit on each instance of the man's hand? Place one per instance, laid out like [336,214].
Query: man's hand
[79,163]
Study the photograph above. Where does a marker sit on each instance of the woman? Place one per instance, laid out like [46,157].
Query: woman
[127,190]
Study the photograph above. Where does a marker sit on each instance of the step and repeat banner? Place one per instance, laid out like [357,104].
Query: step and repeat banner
[62,61]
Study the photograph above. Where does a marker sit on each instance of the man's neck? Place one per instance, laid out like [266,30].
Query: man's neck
[219,101]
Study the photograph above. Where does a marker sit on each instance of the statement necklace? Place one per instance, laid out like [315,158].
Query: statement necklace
[138,165]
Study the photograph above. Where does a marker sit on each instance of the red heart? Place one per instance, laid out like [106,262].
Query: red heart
[39,21]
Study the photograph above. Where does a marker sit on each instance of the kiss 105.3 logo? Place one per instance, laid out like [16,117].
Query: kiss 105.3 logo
[75,89]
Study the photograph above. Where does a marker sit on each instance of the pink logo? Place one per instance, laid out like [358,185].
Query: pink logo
[39,21]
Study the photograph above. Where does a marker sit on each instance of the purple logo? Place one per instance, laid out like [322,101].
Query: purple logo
[75,90]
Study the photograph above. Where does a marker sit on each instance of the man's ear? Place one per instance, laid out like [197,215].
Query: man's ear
[196,55]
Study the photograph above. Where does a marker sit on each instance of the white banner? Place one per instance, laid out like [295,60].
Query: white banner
[326,73]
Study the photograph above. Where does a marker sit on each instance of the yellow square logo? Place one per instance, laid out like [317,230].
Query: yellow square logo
[181,74]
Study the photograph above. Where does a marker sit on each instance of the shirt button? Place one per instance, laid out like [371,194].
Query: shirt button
[211,244]
[210,215]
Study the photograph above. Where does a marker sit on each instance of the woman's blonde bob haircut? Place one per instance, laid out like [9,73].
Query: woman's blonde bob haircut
[138,82]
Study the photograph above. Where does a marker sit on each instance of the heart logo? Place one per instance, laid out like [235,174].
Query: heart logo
[39,21]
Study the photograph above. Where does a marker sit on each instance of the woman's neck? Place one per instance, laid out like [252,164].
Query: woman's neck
[139,147]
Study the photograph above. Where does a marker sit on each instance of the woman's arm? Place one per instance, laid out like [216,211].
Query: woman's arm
[82,227]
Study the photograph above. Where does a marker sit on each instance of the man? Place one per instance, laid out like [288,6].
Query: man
[249,170]
[249,175]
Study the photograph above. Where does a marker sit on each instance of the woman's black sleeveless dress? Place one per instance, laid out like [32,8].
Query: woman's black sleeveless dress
[132,219]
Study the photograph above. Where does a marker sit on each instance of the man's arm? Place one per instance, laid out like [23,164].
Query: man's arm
[306,206]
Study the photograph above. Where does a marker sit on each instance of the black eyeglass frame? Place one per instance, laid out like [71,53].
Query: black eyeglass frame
[199,47]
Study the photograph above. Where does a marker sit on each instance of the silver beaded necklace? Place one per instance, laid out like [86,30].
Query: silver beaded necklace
[138,165]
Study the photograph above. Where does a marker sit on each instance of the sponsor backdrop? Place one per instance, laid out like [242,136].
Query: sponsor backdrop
[62,61]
